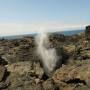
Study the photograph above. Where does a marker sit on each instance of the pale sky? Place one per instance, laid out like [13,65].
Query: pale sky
[32,16]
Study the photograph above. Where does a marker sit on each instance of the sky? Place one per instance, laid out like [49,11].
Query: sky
[29,16]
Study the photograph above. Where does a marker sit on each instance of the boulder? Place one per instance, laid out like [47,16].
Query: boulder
[25,75]
[2,72]
[74,75]
[4,81]
[70,49]
[82,88]
[82,50]
[20,53]
[87,32]
[3,61]
[4,84]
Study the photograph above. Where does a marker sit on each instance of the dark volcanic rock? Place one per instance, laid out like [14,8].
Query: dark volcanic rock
[21,68]
[49,85]
[82,50]
[87,32]
[4,85]
[82,47]
[73,75]
[20,53]
[3,62]
[4,82]
[2,72]
[25,75]
[18,50]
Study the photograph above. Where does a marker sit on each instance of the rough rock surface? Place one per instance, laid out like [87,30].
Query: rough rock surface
[4,82]
[49,85]
[82,50]
[21,69]
[2,72]
[87,32]
[74,75]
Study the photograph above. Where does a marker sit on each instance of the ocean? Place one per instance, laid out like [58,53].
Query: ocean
[66,33]
[73,32]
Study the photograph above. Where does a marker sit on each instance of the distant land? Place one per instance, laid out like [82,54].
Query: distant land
[68,33]
[73,32]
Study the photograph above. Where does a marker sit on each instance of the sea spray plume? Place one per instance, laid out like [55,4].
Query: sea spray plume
[48,55]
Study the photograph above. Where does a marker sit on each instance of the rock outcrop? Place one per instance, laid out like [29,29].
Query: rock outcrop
[21,69]
[87,33]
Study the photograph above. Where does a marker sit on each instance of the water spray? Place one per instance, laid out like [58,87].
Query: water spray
[48,56]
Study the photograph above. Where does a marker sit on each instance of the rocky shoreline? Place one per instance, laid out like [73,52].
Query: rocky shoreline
[20,67]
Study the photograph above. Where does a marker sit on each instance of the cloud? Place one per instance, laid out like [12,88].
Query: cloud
[26,28]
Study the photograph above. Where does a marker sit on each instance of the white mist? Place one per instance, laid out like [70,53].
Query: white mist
[48,55]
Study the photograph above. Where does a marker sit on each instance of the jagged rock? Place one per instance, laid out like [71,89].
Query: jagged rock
[49,85]
[27,68]
[82,50]
[21,53]
[20,67]
[25,71]
[39,87]
[82,88]
[4,82]
[70,49]
[87,32]
[2,72]
[2,61]
[57,37]
[77,74]
[38,70]
[18,50]
[25,75]
[64,86]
